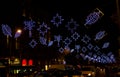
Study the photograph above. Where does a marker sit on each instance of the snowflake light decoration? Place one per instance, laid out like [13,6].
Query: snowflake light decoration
[43,28]
[100,35]
[57,20]
[58,38]
[6,30]
[75,36]
[72,25]
[43,40]
[86,39]
[33,43]
[29,25]
[93,17]
[106,45]
[67,41]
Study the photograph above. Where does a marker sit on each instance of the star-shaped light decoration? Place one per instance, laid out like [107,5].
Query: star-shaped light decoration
[33,43]
[72,25]
[75,36]
[57,20]
[43,28]
[67,41]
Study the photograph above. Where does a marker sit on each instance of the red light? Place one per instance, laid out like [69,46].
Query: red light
[24,62]
[30,62]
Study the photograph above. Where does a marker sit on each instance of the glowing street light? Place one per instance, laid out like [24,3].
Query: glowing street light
[17,34]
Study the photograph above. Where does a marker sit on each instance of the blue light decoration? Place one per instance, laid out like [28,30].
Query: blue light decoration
[50,43]
[93,17]
[17,34]
[72,50]
[84,49]
[43,40]
[29,25]
[90,46]
[100,35]
[75,36]
[67,41]
[57,20]
[86,39]
[77,47]
[106,45]
[33,43]
[96,48]
[58,38]
[72,25]
[6,30]
[43,28]
[61,50]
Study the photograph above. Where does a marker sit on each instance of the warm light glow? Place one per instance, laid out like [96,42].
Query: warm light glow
[30,62]
[19,31]
[24,62]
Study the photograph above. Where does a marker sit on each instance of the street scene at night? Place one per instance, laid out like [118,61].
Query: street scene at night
[60,38]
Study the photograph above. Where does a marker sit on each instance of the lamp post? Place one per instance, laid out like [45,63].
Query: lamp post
[17,34]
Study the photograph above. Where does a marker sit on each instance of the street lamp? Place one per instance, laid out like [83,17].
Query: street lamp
[17,34]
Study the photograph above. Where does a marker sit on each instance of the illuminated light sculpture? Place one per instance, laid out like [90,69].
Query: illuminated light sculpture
[57,20]
[75,36]
[50,43]
[84,49]
[6,30]
[86,39]
[94,56]
[29,25]
[18,33]
[67,41]
[61,50]
[33,43]
[96,48]
[90,46]
[43,29]
[93,17]
[58,38]
[77,47]
[72,50]
[72,25]
[106,45]
[100,35]
[43,40]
